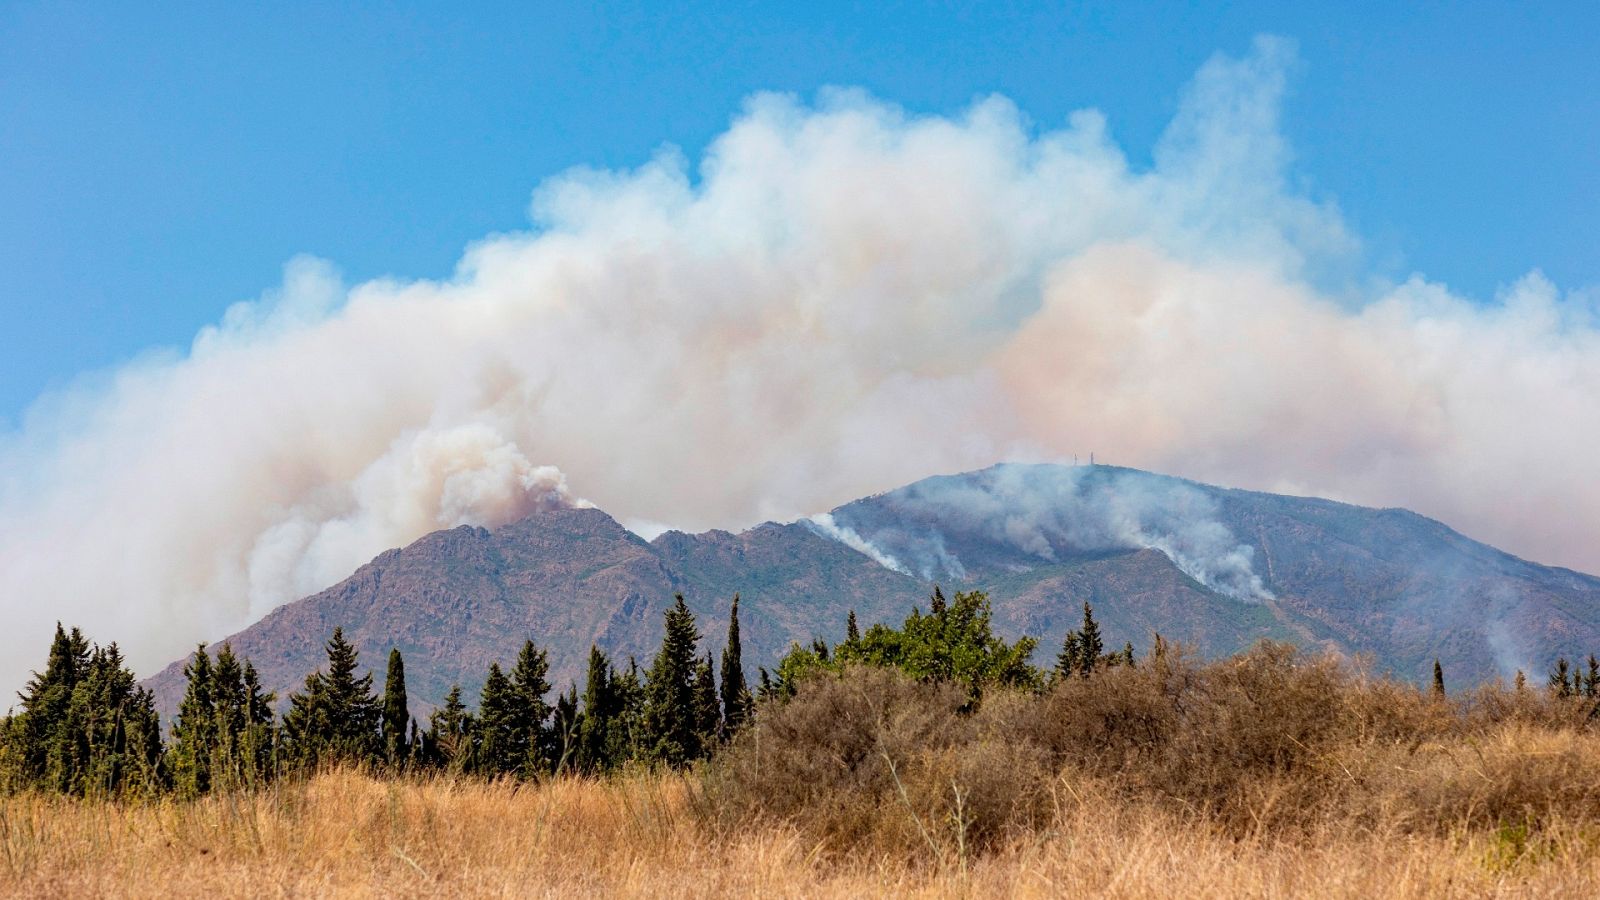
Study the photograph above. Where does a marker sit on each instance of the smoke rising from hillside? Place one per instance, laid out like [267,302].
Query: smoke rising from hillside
[841,298]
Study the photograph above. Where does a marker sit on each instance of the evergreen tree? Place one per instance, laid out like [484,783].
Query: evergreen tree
[1067,663]
[259,744]
[600,716]
[395,712]
[566,721]
[1520,683]
[707,708]
[194,734]
[1438,679]
[228,763]
[1090,645]
[41,730]
[735,693]
[537,746]
[1127,653]
[336,716]
[500,752]
[671,724]
[852,633]
[1591,679]
[1561,678]
[449,735]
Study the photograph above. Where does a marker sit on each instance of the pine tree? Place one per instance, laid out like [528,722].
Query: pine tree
[228,765]
[194,734]
[1591,679]
[449,735]
[1067,663]
[259,744]
[1520,683]
[336,716]
[852,633]
[1438,679]
[1090,645]
[41,730]
[395,712]
[735,693]
[1561,679]
[1127,653]
[499,752]
[536,744]
[670,721]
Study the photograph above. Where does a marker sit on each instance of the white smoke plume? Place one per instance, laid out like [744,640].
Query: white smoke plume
[841,297]
[1043,513]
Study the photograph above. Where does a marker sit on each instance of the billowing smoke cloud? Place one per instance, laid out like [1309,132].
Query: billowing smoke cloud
[842,297]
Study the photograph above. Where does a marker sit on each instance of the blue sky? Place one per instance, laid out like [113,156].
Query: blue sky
[156,168]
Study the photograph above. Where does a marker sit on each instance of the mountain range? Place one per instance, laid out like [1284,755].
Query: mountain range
[1214,568]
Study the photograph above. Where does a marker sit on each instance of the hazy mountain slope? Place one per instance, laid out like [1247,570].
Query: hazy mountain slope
[1213,567]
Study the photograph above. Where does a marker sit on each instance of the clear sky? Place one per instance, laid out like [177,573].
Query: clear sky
[155,167]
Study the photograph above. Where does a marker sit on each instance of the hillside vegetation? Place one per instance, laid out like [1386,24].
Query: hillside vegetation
[929,759]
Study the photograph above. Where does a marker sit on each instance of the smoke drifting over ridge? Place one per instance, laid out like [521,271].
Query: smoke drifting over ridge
[841,299]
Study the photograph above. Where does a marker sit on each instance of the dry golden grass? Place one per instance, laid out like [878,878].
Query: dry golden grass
[351,835]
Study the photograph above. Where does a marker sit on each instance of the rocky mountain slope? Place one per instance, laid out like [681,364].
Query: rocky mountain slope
[1212,567]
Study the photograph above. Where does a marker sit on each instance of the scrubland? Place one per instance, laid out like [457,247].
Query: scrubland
[1265,775]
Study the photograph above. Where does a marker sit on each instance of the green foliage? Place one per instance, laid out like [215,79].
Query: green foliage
[85,727]
[395,712]
[953,642]
[537,745]
[448,742]
[194,734]
[672,725]
[735,693]
[336,716]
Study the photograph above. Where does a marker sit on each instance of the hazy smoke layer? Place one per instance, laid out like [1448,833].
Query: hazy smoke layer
[840,299]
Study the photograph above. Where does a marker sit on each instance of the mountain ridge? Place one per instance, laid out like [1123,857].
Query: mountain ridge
[1218,568]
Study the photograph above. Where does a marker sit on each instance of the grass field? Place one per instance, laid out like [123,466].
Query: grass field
[344,834]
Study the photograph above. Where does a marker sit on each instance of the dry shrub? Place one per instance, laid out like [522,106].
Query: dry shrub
[1267,743]
[871,758]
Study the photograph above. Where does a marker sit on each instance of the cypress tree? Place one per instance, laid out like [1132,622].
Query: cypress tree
[600,715]
[194,739]
[535,744]
[567,719]
[670,722]
[395,712]
[1090,646]
[707,709]
[735,693]
[1438,679]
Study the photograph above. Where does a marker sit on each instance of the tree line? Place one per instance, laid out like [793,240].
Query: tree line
[86,728]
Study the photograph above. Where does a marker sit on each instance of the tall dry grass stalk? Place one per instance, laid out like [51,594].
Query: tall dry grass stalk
[345,834]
